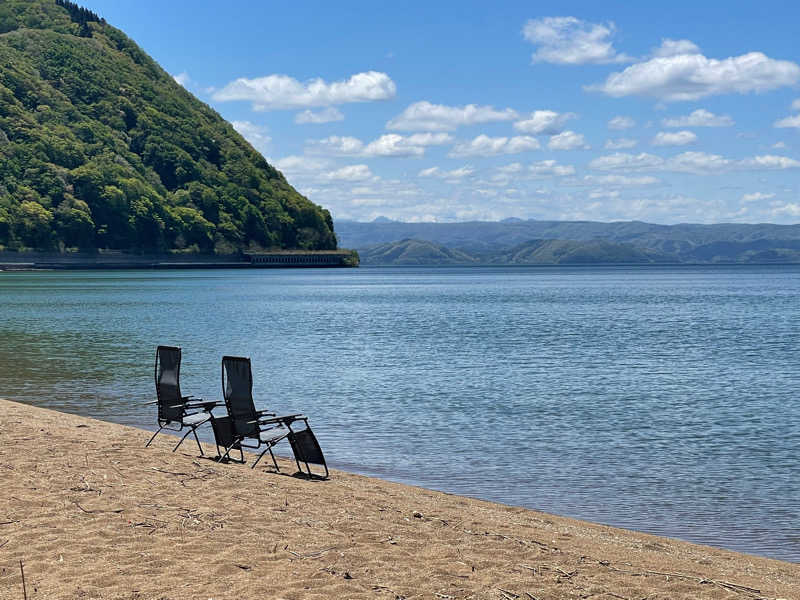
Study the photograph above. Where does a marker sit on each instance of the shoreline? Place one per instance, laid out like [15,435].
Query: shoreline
[92,513]
[108,260]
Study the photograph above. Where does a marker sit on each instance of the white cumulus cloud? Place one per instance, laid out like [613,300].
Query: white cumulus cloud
[275,92]
[699,163]
[699,118]
[537,170]
[789,209]
[692,76]
[550,168]
[620,144]
[339,145]
[301,165]
[182,78]
[483,145]
[621,161]
[544,121]
[459,173]
[674,138]
[755,196]
[326,115]
[349,173]
[770,162]
[621,180]
[568,140]
[621,122]
[390,144]
[571,41]
[505,172]
[793,121]
[255,134]
[425,116]
[796,104]
[675,48]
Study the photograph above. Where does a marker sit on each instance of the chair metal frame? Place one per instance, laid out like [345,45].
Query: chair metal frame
[249,423]
[173,408]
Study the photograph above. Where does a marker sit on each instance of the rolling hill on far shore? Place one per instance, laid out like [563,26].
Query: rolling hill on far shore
[515,241]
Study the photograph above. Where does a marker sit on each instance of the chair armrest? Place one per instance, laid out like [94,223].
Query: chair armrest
[283,419]
[153,402]
[206,405]
[266,413]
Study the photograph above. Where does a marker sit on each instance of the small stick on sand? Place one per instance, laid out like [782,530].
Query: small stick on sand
[99,510]
[565,574]
[723,584]
[170,472]
[24,589]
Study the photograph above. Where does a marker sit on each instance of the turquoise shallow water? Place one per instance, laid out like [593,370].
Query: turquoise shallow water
[663,399]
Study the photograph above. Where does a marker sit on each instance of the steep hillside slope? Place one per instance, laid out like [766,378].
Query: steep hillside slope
[101,148]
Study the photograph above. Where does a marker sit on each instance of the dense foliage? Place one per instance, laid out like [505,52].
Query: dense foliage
[101,148]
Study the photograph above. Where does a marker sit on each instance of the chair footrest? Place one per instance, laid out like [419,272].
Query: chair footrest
[305,447]
[223,431]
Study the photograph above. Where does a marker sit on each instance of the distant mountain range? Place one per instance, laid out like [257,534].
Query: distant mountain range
[515,241]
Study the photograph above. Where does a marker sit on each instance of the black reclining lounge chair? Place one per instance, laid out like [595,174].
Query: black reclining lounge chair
[245,423]
[174,410]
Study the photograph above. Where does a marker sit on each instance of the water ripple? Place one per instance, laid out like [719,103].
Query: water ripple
[659,399]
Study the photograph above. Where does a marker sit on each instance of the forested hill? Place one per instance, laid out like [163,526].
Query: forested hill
[101,148]
[725,242]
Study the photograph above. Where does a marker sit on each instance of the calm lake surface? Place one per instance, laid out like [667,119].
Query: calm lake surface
[662,399]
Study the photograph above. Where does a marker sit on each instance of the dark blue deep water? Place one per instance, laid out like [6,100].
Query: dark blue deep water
[663,399]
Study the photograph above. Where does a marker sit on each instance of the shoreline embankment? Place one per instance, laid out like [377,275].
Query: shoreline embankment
[110,260]
[87,512]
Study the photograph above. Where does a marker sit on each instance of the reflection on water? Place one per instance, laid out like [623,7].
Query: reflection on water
[659,399]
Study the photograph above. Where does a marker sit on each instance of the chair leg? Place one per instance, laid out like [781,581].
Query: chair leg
[274,462]
[194,431]
[183,438]
[228,450]
[260,456]
[154,436]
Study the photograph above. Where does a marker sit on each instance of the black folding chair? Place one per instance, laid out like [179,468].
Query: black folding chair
[265,428]
[176,411]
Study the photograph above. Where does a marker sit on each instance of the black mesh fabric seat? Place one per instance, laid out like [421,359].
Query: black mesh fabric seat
[176,411]
[262,428]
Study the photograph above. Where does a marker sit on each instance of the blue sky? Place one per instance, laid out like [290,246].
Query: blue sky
[440,111]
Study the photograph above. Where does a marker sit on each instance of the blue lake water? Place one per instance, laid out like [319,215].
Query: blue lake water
[663,399]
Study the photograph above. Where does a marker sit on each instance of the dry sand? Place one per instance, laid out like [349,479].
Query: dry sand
[93,514]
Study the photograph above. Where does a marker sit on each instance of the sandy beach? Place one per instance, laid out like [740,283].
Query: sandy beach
[91,513]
